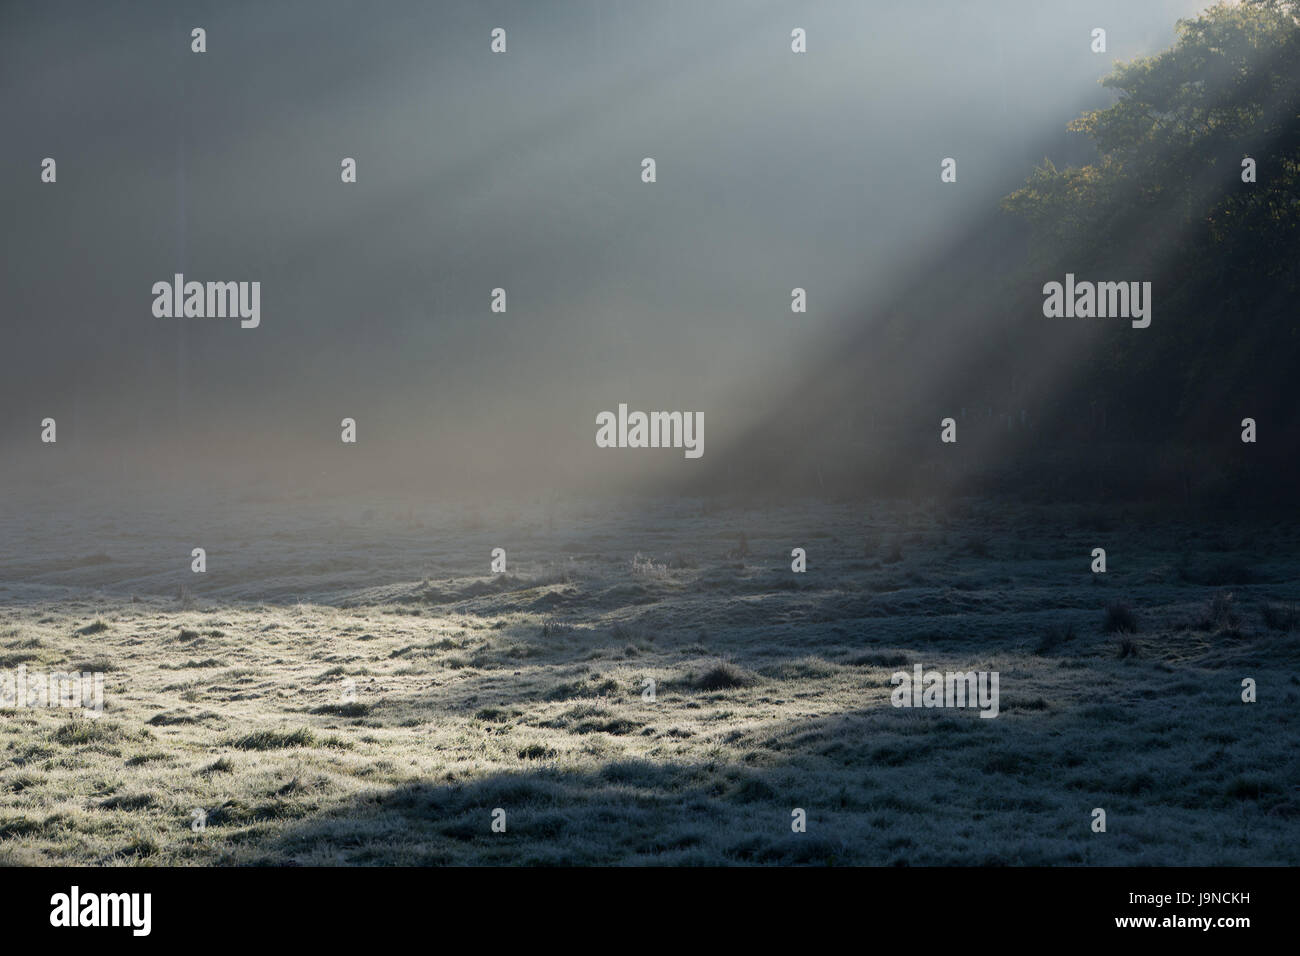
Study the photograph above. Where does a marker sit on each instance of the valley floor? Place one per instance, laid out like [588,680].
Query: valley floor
[354,686]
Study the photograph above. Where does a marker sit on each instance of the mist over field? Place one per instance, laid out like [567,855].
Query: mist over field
[331,651]
[521,172]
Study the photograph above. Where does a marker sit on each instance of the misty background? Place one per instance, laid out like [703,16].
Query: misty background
[522,171]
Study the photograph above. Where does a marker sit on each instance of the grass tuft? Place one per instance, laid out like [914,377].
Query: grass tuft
[274,740]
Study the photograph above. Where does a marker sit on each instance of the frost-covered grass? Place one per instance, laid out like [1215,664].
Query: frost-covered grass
[365,691]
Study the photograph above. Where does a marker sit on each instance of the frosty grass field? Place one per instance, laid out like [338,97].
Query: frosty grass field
[350,684]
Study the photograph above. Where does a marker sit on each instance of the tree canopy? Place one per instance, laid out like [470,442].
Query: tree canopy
[1167,199]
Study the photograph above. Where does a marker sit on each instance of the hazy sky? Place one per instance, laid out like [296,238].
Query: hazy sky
[478,171]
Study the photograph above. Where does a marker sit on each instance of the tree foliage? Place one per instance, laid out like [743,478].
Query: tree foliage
[1164,200]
